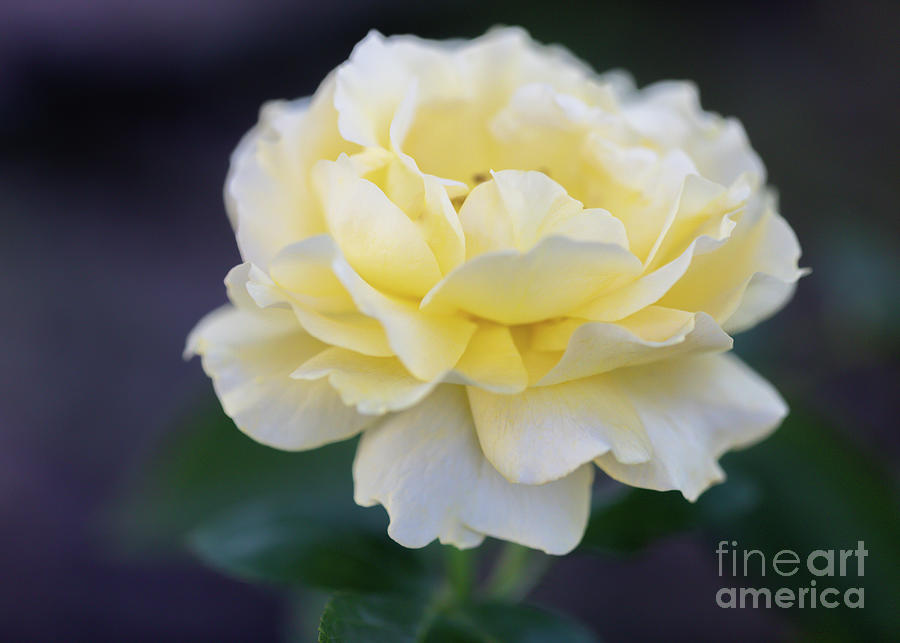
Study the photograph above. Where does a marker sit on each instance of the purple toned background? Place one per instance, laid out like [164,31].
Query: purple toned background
[116,122]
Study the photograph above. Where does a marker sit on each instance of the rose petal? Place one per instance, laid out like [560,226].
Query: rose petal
[374,385]
[749,278]
[376,237]
[598,347]
[553,278]
[429,345]
[491,361]
[694,410]
[267,192]
[546,433]
[249,356]
[425,466]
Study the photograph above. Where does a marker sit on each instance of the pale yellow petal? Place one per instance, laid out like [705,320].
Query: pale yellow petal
[428,345]
[375,236]
[425,467]
[747,279]
[516,209]
[306,284]
[267,192]
[669,113]
[249,356]
[545,433]
[491,361]
[426,200]
[555,277]
[694,410]
[701,221]
[598,347]
[374,385]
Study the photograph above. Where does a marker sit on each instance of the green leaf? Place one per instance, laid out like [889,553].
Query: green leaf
[803,489]
[634,518]
[818,491]
[626,520]
[380,619]
[373,619]
[506,623]
[208,468]
[267,515]
[287,543]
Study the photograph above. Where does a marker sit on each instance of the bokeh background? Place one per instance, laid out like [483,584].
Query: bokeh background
[116,121]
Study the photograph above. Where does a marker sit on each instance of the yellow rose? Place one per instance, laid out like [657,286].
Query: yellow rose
[504,269]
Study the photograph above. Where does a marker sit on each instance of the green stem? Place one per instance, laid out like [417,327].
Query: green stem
[517,571]
[460,572]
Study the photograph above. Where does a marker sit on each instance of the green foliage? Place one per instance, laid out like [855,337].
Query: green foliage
[266,515]
[495,622]
[372,618]
[377,619]
[285,543]
[289,519]
[805,488]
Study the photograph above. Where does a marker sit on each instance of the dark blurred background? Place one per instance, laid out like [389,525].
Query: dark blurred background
[116,121]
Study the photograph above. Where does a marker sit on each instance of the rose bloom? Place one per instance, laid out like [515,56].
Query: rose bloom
[504,270]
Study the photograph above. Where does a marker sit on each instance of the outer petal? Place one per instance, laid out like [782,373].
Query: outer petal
[425,466]
[267,192]
[545,433]
[598,347]
[322,305]
[249,356]
[669,113]
[374,385]
[749,278]
[694,410]
[700,222]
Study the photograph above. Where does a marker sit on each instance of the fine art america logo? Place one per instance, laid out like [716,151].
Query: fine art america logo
[819,566]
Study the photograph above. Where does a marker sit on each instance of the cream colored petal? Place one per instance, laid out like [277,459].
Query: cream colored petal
[551,517]
[433,100]
[546,433]
[762,297]
[694,410]
[484,221]
[319,301]
[236,286]
[553,278]
[249,356]
[705,210]
[491,361]
[428,345]
[593,224]
[598,347]
[654,323]
[425,467]
[267,191]
[375,236]
[374,385]
[748,278]
[426,200]
[516,209]
[372,84]
[669,113]
[641,186]
[701,222]
[534,203]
